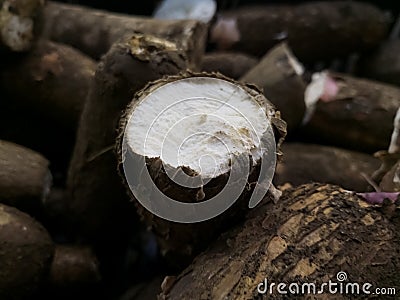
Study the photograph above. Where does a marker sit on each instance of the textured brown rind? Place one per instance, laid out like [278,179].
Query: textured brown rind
[314,232]
[359,117]
[180,242]
[74,266]
[25,254]
[230,64]
[144,291]
[52,81]
[98,199]
[390,181]
[313,30]
[25,179]
[384,63]
[281,83]
[99,30]
[306,163]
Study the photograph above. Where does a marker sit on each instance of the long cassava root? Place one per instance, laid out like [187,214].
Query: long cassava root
[97,194]
[99,30]
[351,112]
[313,30]
[312,234]
[305,163]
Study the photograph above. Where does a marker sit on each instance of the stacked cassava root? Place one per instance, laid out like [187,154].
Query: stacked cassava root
[97,104]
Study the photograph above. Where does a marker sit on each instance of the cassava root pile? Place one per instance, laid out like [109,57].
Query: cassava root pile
[134,163]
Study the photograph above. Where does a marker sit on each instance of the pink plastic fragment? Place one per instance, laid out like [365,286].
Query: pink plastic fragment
[379,197]
[225,33]
[331,90]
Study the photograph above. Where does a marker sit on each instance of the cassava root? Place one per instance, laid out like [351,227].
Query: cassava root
[313,233]
[99,30]
[191,152]
[25,179]
[97,194]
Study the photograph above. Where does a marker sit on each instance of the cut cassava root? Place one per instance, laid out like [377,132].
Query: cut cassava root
[279,74]
[313,233]
[25,179]
[97,194]
[99,30]
[180,154]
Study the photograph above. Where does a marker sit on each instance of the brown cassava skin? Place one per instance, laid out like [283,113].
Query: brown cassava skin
[144,291]
[51,81]
[179,242]
[25,179]
[25,254]
[99,30]
[390,181]
[314,30]
[383,64]
[314,232]
[281,84]
[74,266]
[98,197]
[305,163]
[359,117]
[230,64]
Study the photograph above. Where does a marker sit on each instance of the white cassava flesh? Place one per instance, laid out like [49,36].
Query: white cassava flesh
[196,137]
[198,123]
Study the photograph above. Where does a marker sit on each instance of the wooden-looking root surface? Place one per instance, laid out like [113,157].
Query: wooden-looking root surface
[314,232]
